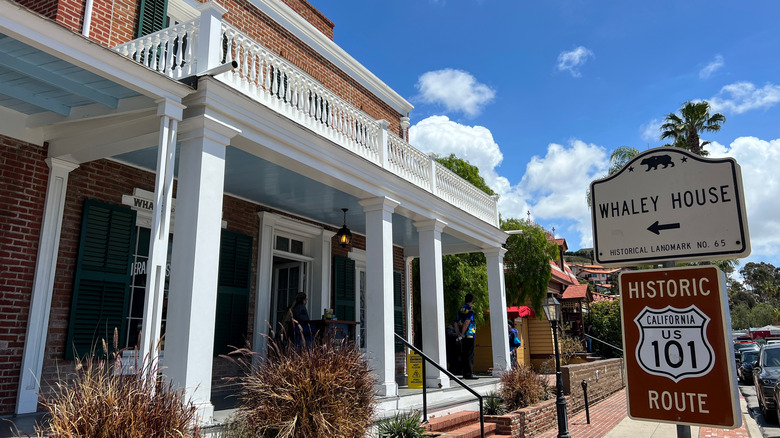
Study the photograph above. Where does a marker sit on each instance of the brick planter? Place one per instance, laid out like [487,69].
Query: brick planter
[604,378]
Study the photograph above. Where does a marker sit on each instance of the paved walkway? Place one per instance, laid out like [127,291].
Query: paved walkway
[609,419]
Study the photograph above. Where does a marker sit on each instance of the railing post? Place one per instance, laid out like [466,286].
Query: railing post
[495,209]
[433,172]
[384,142]
[405,128]
[208,53]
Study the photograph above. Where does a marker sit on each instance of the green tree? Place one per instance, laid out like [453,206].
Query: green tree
[465,170]
[762,278]
[684,129]
[605,317]
[527,263]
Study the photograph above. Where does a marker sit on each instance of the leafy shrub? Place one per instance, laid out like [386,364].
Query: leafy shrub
[521,387]
[318,390]
[99,402]
[493,404]
[569,347]
[408,425]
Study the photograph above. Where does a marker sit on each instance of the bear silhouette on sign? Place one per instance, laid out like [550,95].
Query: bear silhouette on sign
[653,162]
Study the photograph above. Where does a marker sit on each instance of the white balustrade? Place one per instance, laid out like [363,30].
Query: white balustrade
[461,193]
[168,51]
[278,84]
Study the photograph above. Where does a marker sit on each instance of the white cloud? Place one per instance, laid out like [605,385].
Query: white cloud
[741,97]
[759,161]
[712,67]
[573,60]
[651,131]
[457,90]
[556,184]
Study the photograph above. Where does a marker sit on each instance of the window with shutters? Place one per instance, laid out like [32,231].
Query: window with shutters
[152,16]
[102,282]
[344,288]
[235,270]
[398,309]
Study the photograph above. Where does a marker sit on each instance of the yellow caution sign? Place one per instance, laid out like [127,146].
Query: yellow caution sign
[415,368]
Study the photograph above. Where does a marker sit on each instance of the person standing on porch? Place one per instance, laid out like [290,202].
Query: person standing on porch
[466,336]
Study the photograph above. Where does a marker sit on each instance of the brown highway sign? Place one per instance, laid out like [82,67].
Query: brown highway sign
[679,362]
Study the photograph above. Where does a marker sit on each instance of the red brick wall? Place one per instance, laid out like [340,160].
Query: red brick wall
[311,15]
[47,8]
[23,178]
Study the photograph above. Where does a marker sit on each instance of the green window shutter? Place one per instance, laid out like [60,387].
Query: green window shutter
[102,285]
[398,309]
[344,285]
[235,269]
[152,16]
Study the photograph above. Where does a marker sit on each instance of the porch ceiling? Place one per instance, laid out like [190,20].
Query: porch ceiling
[258,180]
[33,82]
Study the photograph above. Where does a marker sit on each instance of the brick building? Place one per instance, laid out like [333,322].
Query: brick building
[181,168]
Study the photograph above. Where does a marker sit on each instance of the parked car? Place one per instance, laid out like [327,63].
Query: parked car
[765,375]
[739,349]
[745,368]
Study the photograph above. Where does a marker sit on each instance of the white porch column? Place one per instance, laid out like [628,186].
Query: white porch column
[409,305]
[497,297]
[192,300]
[170,115]
[432,300]
[380,344]
[320,291]
[43,283]
[265,262]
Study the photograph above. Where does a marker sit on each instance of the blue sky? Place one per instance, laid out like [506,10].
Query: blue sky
[538,94]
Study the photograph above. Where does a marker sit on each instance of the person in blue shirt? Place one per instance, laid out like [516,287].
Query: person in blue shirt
[514,342]
[466,336]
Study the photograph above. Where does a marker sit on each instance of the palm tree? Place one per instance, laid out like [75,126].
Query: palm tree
[685,130]
[617,159]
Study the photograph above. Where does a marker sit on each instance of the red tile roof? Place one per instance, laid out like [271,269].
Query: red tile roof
[578,291]
[602,297]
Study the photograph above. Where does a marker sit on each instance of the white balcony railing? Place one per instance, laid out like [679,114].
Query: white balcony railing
[179,51]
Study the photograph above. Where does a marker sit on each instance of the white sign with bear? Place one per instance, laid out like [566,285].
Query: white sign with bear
[669,204]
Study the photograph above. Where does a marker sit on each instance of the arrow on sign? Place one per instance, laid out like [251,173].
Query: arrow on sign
[655,228]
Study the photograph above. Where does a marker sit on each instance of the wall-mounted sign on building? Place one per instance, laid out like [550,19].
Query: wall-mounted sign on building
[669,204]
[676,339]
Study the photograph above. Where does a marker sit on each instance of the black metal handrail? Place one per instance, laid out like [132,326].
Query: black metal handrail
[605,343]
[451,376]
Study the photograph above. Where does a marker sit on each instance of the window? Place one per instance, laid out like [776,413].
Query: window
[138,286]
[110,283]
[102,283]
[288,244]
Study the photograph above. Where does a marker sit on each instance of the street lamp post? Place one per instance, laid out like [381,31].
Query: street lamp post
[552,310]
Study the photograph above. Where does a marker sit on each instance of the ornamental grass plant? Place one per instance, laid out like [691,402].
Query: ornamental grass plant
[320,389]
[403,425]
[98,401]
[521,387]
